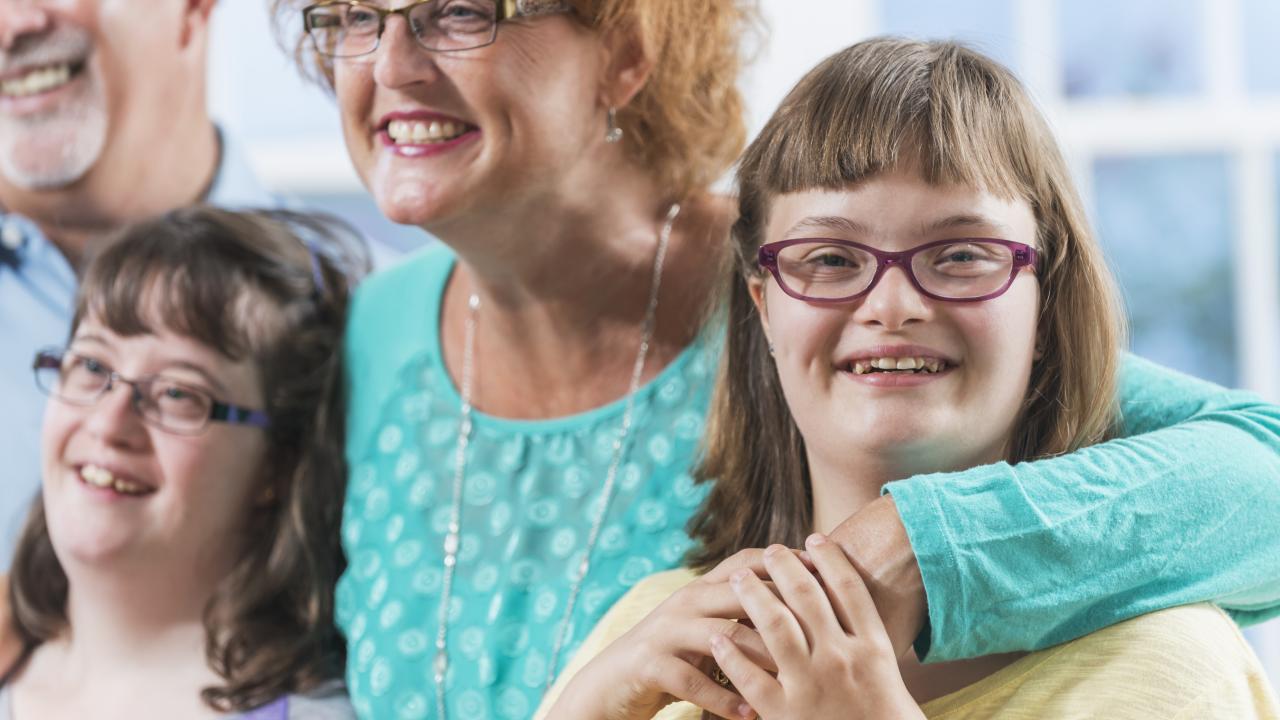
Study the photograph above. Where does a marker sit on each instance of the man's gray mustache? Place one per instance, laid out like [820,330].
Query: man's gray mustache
[59,46]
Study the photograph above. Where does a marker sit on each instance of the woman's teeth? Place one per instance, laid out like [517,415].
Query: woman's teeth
[100,477]
[37,81]
[911,364]
[418,133]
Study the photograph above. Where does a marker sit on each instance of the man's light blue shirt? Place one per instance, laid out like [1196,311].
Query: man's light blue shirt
[37,297]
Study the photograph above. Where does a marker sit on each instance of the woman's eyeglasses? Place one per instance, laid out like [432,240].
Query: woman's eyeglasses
[351,28]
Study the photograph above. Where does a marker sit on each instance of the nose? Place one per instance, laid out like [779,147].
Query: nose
[19,18]
[114,420]
[399,60]
[894,302]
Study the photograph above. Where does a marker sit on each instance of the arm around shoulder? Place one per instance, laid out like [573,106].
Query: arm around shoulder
[1184,508]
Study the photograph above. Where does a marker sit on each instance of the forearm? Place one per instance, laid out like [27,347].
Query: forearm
[878,545]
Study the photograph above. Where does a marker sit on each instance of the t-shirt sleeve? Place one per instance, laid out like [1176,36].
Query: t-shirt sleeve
[1184,508]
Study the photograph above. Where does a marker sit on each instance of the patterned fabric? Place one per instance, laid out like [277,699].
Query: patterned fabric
[531,493]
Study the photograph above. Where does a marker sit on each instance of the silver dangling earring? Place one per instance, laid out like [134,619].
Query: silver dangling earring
[613,133]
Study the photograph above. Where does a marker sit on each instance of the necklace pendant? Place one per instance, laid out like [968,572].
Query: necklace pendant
[451,544]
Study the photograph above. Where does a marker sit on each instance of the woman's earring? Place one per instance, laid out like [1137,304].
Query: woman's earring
[613,133]
[770,349]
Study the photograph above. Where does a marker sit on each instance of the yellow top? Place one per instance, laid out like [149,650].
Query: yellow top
[1180,664]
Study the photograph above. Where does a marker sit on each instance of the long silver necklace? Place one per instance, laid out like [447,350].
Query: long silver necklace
[440,666]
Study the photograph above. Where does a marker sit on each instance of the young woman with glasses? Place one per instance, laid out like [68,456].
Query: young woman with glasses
[915,292]
[181,559]
[527,396]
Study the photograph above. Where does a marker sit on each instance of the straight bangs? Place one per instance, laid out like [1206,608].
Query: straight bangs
[894,105]
[156,277]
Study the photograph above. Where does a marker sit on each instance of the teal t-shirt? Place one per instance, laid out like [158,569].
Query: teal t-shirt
[530,497]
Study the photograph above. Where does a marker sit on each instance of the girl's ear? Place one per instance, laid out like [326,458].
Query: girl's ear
[756,286]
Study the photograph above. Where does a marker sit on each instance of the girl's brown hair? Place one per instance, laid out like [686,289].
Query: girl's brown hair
[686,125]
[272,287]
[954,116]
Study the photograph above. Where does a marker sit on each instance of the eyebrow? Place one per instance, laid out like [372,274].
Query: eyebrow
[965,220]
[830,222]
[192,367]
[853,227]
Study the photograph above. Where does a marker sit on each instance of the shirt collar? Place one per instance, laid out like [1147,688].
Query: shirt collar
[233,185]
[17,234]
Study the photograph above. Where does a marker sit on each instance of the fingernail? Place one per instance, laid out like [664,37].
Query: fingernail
[816,539]
[745,712]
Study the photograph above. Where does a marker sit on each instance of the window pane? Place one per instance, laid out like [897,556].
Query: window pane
[1262,52]
[1134,47]
[1166,225]
[987,25]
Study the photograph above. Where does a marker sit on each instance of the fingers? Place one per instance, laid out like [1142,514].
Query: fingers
[847,593]
[783,637]
[803,595]
[685,682]
[756,686]
[750,559]
[746,639]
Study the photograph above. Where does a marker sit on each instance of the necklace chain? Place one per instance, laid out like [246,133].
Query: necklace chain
[440,665]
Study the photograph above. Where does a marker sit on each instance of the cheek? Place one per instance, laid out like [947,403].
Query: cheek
[60,423]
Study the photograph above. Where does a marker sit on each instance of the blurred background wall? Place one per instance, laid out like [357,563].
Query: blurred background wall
[1168,110]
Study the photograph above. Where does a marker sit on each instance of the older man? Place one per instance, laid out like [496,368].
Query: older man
[103,121]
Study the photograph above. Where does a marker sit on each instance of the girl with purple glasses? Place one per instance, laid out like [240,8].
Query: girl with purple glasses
[916,292]
[181,559]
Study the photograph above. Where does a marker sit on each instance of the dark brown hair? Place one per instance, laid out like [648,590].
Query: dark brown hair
[249,286]
[686,125]
[954,116]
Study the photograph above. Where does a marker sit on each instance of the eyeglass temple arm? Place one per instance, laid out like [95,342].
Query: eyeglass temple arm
[234,415]
[530,8]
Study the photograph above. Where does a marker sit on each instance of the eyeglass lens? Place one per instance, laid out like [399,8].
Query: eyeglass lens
[350,29]
[82,380]
[963,270]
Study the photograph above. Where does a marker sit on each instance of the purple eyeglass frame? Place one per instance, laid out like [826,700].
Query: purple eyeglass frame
[767,256]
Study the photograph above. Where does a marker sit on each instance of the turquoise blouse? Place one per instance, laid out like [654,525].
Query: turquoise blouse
[1013,557]
[531,494]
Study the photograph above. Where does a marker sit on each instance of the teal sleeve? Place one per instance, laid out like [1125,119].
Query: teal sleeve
[1184,508]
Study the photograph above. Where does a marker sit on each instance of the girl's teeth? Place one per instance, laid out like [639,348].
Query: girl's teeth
[103,478]
[919,364]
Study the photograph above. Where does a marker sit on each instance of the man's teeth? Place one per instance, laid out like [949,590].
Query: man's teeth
[103,478]
[920,364]
[37,81]
[410,131]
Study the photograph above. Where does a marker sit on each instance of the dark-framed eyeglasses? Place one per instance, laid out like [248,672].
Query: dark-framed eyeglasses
[351,28]
[168,404]
[825,270]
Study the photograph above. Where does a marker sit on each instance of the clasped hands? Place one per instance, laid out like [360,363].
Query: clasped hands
[797,634]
